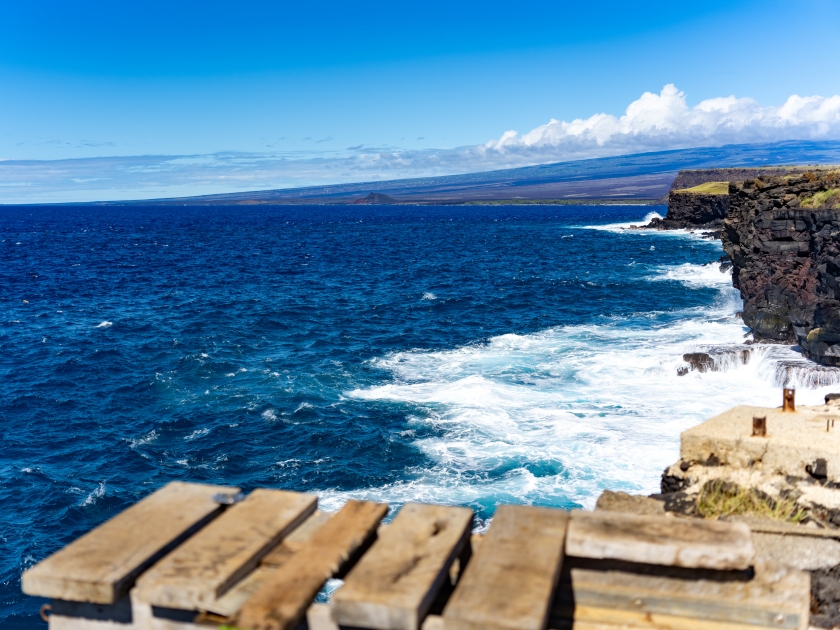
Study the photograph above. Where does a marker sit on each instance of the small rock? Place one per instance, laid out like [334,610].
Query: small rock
[628,503]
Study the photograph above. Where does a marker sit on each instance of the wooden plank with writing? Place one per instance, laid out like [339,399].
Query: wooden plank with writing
[101,566]
[208,564]
[284,597]
[509,583]
[395,583]
[689,543]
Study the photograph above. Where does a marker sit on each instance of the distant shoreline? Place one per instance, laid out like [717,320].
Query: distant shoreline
[564,202]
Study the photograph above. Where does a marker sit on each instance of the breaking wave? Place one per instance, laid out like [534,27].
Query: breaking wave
[557,416]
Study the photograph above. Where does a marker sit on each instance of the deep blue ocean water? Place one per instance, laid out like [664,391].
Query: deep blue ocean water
[466,355]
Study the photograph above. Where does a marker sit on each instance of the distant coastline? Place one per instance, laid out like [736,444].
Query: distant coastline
[643,178]
[568,202]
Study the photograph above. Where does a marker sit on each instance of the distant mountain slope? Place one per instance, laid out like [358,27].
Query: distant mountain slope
[640,176]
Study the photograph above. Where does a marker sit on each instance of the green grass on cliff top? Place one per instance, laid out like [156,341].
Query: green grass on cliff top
[709,188]
[820,199]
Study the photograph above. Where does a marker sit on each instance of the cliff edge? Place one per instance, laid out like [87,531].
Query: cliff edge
[699,199]
[783,237]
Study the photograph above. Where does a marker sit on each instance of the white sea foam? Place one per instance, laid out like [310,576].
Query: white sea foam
[150,437]
[269,414]
[104,325]
[697,276]
[621,227]
[198,433]
[95,495]
[555,417]
[429,296]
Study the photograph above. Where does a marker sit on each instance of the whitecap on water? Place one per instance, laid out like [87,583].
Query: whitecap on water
[698,276]
[429,296]
[104,324]
[150,437]
[198,433]
[621,227]
[95,495]
[555,417]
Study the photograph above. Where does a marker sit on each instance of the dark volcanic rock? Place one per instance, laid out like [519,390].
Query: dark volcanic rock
[698,209]
[690,210]
[376,198]
[694,177]
[825,596]
[699,361]
[783,237]
[718,359]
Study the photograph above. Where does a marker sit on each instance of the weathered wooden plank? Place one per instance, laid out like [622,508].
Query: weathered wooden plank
[643,621]
[233,599]
[773,598]
[434,622]
[296,540]
[281,602]
[208,564]
[319,617]
[690,543]
[509,583]
[102,565]
[394,584]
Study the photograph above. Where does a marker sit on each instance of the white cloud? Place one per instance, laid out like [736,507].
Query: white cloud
[666,121]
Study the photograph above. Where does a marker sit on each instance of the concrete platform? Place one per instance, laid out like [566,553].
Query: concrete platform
[800,443]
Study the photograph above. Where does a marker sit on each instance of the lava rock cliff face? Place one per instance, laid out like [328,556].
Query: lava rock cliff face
[783,236]
[691,211]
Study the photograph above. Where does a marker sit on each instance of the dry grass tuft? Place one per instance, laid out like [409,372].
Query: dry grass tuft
[820,199]
[709,188]
[721,498]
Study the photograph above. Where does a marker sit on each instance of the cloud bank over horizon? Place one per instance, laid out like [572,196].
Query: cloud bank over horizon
[653,122]
[664,121]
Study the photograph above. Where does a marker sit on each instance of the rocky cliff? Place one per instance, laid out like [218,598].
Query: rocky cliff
[699,199]
[700,207]
[783,236]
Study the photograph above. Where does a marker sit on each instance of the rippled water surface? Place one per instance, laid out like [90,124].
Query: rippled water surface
[469,355]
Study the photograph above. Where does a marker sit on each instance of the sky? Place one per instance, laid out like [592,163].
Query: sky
[265,94]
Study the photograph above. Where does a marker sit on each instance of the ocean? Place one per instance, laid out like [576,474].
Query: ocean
[470,355]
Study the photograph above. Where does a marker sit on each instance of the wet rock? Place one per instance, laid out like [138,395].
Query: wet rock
[716,359]
[700,361]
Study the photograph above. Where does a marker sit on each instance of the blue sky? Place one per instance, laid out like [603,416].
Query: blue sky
[316,83]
